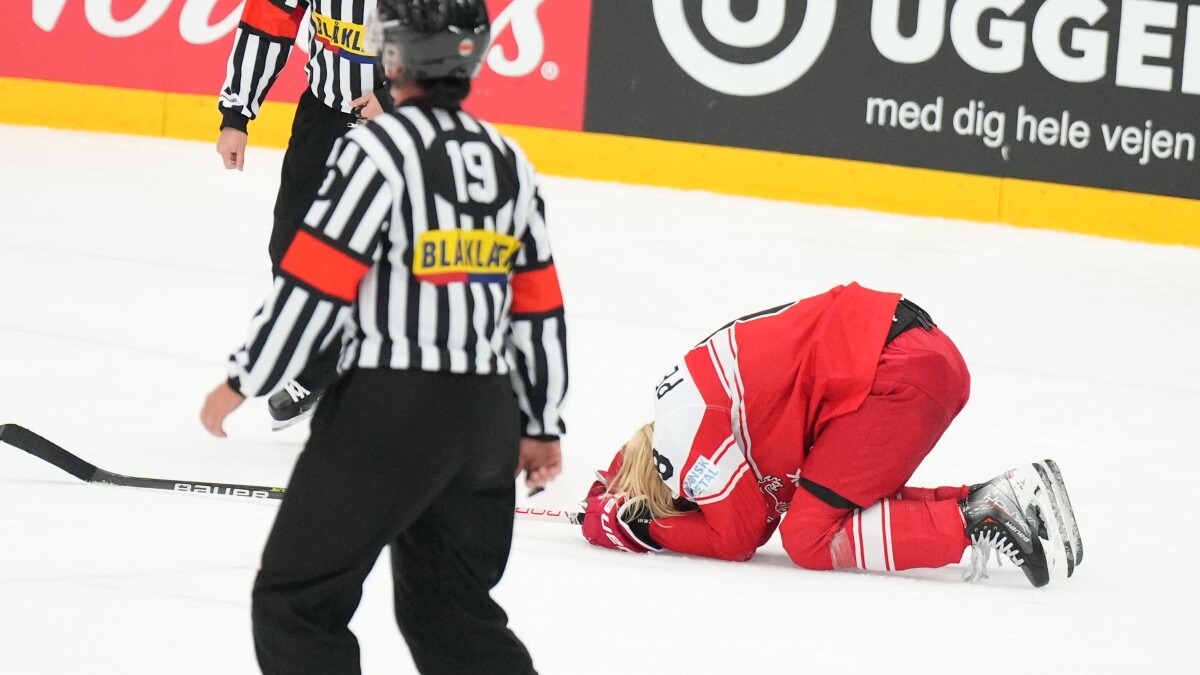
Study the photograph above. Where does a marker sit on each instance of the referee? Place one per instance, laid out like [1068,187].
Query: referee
[345,86]
[427,244]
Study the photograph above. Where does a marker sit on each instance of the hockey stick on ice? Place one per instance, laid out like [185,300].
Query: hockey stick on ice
[23,439]
[555,515]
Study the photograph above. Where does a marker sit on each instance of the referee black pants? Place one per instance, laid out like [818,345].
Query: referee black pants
[315,128]
[423,463]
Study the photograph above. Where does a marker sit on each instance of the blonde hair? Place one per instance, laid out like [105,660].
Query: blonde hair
[638,476]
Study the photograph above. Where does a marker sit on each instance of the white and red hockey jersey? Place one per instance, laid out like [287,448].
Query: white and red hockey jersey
[734,419]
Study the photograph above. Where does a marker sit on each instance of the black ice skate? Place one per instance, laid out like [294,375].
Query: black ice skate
[1012,515]
[291,404]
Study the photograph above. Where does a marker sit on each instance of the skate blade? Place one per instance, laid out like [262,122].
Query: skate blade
[1060,541]
[1064,502]
[1035,499]
[280,425]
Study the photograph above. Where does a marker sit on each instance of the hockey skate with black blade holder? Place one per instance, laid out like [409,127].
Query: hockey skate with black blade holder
[1014,515]
[291,405]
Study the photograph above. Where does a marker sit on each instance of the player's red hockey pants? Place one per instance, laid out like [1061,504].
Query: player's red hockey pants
[864,515]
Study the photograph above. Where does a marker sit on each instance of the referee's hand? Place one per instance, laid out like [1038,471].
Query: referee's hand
[220,402]
[231,146]
[541,461]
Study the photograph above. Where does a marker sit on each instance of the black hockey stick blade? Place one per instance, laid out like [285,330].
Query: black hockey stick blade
[23,439]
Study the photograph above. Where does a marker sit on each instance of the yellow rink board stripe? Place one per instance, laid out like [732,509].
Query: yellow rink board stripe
[770,175]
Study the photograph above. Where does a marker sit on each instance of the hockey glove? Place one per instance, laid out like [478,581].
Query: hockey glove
[614,522]
[605,477]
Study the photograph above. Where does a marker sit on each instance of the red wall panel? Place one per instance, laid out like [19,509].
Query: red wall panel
[535,74]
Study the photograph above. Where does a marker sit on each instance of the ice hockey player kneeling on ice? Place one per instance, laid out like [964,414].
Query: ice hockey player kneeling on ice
[811,417]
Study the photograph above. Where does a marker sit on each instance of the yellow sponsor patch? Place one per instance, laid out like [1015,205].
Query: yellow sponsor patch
[343,38]
[447,256]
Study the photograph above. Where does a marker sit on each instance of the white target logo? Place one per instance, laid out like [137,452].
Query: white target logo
[745,79]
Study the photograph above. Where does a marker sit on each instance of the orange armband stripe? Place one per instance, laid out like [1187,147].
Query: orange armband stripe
[268,18]
[536,291]
[323,266]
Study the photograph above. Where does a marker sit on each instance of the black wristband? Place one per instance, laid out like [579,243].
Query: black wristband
[638,521]
[234,120]
[545,438]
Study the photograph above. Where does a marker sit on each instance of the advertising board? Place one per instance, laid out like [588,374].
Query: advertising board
[182,46]
[1078,92]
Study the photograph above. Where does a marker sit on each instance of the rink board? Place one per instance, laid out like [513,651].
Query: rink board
[770,175]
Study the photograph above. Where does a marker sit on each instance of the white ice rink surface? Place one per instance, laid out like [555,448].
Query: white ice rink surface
[129,267]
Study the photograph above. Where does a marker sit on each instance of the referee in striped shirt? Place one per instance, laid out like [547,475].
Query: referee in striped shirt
[427,243]
[345,86]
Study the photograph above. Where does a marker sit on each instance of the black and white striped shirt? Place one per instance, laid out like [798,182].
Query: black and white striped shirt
[339,68]
[427,247]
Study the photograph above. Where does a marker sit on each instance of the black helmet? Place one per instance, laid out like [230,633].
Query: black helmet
[432,39]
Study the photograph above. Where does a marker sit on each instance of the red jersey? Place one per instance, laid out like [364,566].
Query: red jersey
[734,419]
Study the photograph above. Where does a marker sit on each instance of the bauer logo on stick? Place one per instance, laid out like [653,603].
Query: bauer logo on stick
[221,490]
